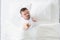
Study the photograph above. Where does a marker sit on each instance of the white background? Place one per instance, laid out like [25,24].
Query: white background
[47,11]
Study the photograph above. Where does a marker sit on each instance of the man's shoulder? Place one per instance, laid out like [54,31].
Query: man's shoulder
[34,19]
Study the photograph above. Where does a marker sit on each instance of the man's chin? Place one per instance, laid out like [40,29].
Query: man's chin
[28,18]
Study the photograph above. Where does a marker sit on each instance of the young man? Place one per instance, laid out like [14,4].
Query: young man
[26,18]
[25,23]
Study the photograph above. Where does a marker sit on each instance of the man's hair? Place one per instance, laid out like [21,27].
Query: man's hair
[23,9]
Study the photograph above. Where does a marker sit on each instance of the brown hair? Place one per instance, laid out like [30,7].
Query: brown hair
[23,9]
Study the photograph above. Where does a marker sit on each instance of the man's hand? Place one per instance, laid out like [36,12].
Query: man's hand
[26,26]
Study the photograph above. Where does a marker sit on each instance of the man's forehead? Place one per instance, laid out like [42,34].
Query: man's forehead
[25,11]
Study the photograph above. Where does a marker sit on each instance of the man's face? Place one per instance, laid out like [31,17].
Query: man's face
[25,14]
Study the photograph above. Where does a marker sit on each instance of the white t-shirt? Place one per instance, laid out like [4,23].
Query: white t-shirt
[23,21]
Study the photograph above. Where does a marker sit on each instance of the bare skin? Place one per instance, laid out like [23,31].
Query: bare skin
[26,26]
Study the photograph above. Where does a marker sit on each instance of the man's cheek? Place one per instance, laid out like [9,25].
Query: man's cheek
[25,16]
